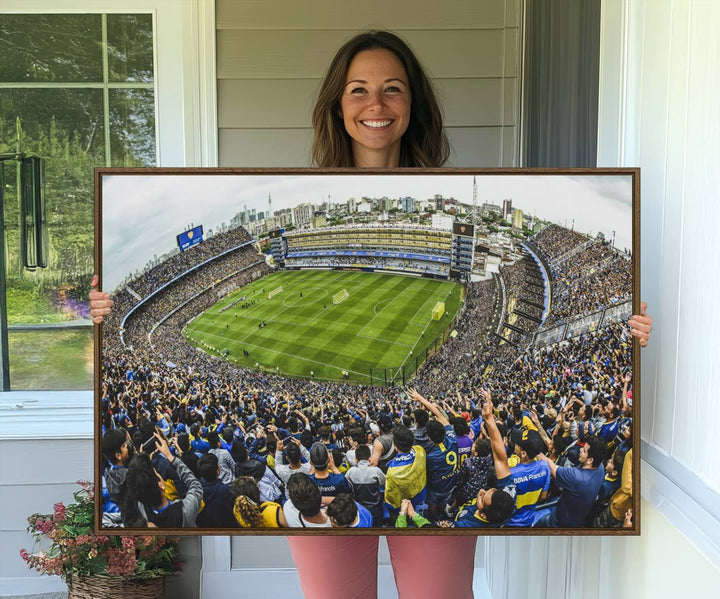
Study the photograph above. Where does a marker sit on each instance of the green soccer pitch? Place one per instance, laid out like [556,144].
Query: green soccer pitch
[385,322]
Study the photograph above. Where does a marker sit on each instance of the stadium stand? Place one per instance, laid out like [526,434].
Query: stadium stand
[412,250]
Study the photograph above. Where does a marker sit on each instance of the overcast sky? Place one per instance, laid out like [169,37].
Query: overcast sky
[143,214]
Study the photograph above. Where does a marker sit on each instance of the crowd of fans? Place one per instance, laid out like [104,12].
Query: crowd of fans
[182,262]
[587,274]
[559,242]
[499,434]
[237,267]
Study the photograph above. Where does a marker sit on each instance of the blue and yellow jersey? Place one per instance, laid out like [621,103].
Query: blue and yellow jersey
[468,515]
[609,431]
[406,478]
[443,464]
[530,482]
[527,422]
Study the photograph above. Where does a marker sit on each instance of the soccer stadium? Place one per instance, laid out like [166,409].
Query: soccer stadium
[237,356]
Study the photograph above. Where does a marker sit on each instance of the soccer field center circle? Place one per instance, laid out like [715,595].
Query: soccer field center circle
[385,322]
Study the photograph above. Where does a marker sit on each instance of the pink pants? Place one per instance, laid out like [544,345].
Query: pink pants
[346,567]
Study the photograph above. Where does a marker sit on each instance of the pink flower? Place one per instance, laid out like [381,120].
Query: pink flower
[53,565]
[121,562]
[43,526]
[128,543]
[59,512]
[88,487]
[24,555]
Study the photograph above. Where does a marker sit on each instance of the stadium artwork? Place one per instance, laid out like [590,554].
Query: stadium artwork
[410,351]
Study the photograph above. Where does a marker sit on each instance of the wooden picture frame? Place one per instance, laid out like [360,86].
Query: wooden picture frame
[571,234]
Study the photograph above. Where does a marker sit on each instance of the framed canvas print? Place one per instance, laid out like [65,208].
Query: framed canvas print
[386,352]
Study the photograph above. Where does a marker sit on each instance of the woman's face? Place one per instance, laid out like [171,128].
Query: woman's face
[375,107]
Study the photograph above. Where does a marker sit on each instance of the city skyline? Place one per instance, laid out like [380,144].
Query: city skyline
[142,214]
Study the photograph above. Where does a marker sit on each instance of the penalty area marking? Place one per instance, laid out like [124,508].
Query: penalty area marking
[425,329]
[432,302]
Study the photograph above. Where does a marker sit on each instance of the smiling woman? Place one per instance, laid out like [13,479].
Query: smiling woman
[375,107]
[376,99]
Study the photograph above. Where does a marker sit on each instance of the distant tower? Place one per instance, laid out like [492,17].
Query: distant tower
[474,217]
[507,209]
[269,205]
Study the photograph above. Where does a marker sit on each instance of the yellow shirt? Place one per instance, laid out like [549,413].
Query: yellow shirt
[621,501]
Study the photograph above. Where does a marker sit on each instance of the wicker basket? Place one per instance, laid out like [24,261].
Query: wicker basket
[116,587]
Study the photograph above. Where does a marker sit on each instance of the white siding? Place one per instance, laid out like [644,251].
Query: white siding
[667,122]
[271,58]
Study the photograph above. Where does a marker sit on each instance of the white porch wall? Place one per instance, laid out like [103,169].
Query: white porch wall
[659,84]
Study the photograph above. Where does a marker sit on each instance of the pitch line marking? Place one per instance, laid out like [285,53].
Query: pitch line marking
[248,315]
[276,351]
[409,323]
[425,329]
[384,340]
[427,301]
[397,297]
[330,281]
[277,314]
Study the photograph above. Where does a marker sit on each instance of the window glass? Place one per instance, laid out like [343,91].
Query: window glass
[59,102]
[130,45]
[37,48]
[132,127]
[53,359]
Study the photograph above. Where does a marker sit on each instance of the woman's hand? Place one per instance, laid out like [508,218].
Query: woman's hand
[100,302]
[641,325]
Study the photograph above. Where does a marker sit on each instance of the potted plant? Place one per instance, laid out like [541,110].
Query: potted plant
[98,565]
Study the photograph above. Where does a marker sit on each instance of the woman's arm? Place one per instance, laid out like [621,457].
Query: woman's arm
[641,325]
[100,302]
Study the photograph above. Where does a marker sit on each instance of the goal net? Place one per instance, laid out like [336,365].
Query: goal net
[438,310]
[340,296]
[274,292]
